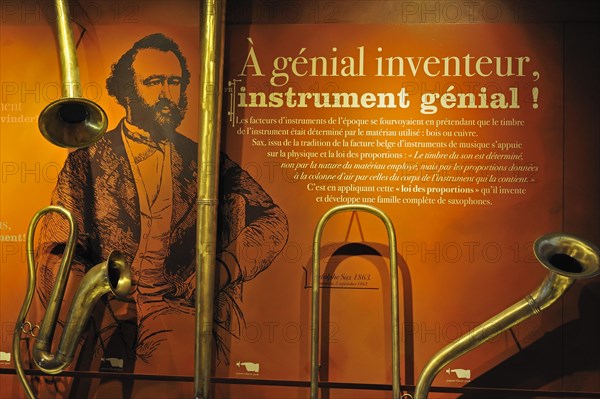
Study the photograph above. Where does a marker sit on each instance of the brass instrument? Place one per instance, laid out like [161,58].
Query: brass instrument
[314,364]
[213,14]
[567,259]
[112,275]
[71,121]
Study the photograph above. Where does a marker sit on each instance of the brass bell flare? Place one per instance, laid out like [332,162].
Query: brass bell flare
[119,274]
[567,259]
[568,255]
[112,276]
[73,122]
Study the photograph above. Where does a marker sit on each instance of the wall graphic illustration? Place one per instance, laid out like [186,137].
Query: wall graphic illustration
[139,187]
[455,131]
[438,126]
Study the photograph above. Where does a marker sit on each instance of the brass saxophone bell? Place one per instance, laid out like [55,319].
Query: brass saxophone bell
[113,276]
[73,122]
[567,258]
[567,255]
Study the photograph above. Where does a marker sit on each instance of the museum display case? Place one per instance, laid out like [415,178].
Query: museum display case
[293,199]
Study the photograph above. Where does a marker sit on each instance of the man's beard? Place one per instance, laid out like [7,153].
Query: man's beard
[159,119]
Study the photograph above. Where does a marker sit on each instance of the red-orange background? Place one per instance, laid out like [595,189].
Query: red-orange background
[444,297]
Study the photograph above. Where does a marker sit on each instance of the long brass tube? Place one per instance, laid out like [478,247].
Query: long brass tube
[315,315]
[112,275]
[567,259]
[213,16]
[71,121]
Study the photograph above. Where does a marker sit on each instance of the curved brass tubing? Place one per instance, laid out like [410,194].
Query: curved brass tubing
[112,275]
[567,259]
[315,315]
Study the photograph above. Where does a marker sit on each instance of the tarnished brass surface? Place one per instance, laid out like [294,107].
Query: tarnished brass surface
[71,121]
[213,21]
[112,275]
[567,259]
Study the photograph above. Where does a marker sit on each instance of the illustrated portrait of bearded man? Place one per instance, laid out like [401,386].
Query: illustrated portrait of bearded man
[135,191]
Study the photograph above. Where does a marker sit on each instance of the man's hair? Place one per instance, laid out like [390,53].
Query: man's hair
[120,83]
